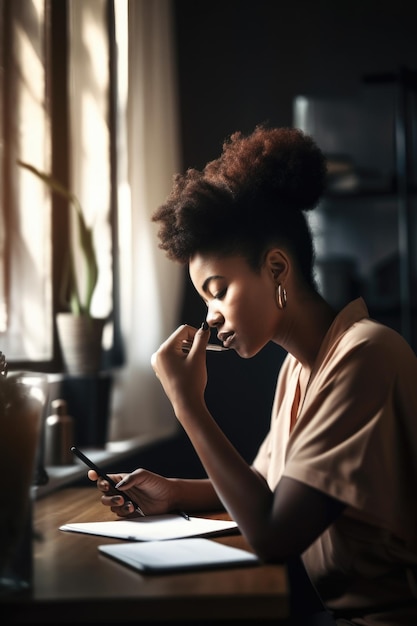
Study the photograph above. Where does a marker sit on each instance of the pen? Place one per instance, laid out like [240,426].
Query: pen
[184,515]
[214,347]
[210,347]
[102,474]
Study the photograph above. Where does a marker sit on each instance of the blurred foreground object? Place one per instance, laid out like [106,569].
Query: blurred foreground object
[22,402]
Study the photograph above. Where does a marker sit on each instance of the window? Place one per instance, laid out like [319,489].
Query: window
[56,114]
[109,67]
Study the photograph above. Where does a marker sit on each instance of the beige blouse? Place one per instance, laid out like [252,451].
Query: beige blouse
[355,439]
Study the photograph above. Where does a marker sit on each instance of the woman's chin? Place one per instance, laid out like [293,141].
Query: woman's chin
[246,353]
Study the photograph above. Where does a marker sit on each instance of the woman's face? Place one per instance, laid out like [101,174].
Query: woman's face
[241,303]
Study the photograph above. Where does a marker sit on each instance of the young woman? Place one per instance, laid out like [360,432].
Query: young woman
[335,478]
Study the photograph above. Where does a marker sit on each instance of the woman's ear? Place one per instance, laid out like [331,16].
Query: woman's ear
[277,263]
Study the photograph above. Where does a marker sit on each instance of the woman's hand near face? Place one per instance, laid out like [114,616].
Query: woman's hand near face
[182,374]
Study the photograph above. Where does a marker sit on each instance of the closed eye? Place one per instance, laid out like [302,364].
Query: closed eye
[220,294]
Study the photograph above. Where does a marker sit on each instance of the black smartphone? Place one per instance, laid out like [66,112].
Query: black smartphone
[103,474]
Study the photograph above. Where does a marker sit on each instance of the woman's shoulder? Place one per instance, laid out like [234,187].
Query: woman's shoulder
[374,351]
[353,326]
[374,335]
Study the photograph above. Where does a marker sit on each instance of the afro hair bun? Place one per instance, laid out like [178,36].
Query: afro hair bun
[256,190]
[283,164]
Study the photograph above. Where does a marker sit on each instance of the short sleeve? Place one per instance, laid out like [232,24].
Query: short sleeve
[356,436]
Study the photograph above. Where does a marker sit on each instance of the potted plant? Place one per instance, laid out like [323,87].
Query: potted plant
[79,332]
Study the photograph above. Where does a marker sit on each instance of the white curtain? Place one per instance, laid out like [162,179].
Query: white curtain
[151,285]
[25,317]
[148,157]
[89,84]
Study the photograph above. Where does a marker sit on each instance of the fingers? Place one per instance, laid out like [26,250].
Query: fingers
[102,484]
[184,334]
[92,475]
[116,503]
[135,479]
[124,482]
[201,338]
[185,339]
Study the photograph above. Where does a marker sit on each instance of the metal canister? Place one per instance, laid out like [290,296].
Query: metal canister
[59,435]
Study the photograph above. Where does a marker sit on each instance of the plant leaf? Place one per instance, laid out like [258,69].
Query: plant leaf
[86,242]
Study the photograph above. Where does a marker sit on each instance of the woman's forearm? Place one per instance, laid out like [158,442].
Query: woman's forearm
[243,492]
[195,495]
[278,525]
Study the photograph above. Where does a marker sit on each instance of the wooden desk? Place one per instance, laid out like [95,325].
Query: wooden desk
[73,583]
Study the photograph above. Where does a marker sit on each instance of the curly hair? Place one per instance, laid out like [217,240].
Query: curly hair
[251,197]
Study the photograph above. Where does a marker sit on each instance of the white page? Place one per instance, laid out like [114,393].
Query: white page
[177,555]
[153,527]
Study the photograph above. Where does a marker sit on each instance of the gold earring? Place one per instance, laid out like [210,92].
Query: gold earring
[281,296]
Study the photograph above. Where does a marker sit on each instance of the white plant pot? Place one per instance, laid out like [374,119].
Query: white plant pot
[80,338]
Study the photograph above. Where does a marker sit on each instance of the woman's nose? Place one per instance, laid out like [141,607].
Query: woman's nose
[213,318]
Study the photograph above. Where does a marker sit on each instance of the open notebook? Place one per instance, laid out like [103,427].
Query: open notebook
[154,527]
[178,555]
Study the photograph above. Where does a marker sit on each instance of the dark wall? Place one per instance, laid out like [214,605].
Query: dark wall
[240,63]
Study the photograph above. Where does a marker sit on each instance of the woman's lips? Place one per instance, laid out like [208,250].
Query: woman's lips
[227,340]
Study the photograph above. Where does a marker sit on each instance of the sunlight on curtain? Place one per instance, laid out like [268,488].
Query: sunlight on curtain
[29,331]
[151,285]
[90,135]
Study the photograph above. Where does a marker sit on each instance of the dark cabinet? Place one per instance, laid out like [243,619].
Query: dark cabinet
[365,227]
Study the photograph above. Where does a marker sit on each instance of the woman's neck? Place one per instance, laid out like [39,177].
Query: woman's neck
[309,320]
